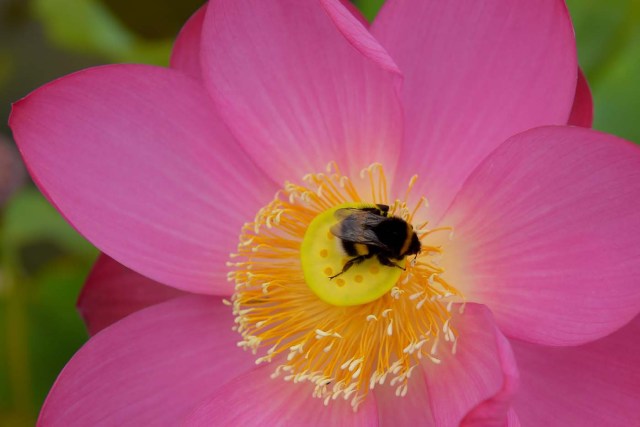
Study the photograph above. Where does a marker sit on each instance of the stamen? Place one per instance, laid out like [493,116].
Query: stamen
[345,350]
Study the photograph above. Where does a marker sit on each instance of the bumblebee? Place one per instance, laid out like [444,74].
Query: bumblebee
[369,231]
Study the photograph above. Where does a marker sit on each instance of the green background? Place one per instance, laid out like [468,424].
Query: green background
[43,261]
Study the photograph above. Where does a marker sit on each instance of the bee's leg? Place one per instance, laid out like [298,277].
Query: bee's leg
[386,261]
[353,261]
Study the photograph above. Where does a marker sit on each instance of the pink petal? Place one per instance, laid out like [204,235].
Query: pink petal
[151,368]
[137,161]
[255,399]
[112,292]
[476,73]
[302,83]
[472,387]
[512,419]
[582,111]
[410,410]
[596,384]
[546,234]
[493,411]
[185,55]
[186,49]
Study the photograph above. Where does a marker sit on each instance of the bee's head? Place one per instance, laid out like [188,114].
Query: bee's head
[414,246]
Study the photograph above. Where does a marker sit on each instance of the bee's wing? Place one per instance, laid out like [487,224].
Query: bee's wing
[346,212]
[354,234]
[368,218]
[356,226]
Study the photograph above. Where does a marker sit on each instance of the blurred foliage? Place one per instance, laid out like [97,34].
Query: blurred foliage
[369,8]
[5,67]
[88,26]
[29,217]
[608,37]
[153,19]
[43,264]
[43,261]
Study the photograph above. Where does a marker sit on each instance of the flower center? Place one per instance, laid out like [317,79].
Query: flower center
[333,288]
[324,257]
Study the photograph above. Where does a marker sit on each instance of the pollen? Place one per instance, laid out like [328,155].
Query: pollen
[347,335]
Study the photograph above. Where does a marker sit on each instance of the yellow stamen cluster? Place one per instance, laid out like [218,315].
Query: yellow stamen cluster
[344,350]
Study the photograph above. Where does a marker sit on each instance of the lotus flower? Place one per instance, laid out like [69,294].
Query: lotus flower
[519,308]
